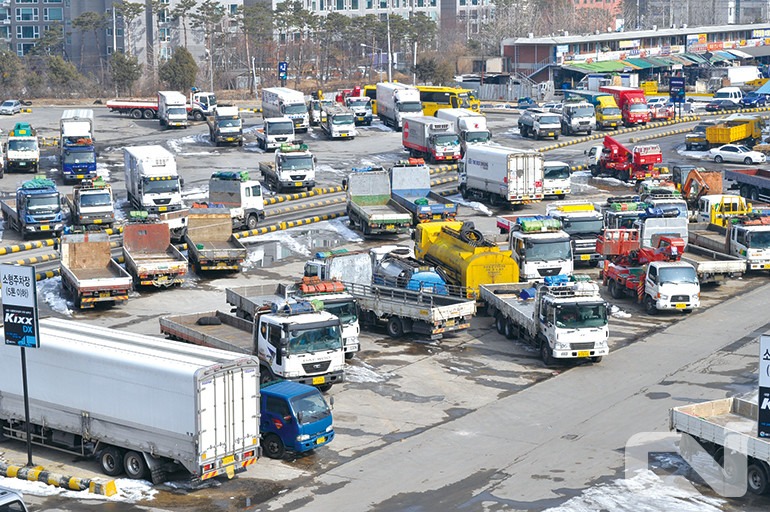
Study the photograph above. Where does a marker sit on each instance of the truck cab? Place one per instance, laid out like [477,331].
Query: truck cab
[556,179]
[22,150]
[583,224]
[750,239]
[226,126]
[539,123]
[362,109]
[339,122]
[577,116]
[671,285]
[92,204]
[37,208]
[276,131]
[294,418]
[718,209]
[539,247]
[621,212]
[316,110]
[242,195]
[294,168]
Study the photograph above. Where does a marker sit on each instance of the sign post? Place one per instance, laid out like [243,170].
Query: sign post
[20,320]
[763,418]
[283,67]
[677,91]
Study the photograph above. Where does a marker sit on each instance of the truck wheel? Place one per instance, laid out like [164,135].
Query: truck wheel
[148,114]
[688,147]
[589,133]
[111,460]
[649,306]
[615,290]
[136,113]
[252,221]
[349,355]
[745,191]
[500,323]
[464,191]
[273,446]
[596,359]
[135,465]
[395,327]
[624,176]
[198,115]
[756,478]
[510,330]
[754,194]
[545,354]
[324,388]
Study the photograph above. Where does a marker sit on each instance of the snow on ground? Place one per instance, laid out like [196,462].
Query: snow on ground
[196,193]
[52,293]
[103,171]
[376,126]
[285,238]
[359,371]
[176,145]
[340,225]
[326,170]
[474,205]
[616,312]
[700,155]
[128,490]
[121,206]
[645,492]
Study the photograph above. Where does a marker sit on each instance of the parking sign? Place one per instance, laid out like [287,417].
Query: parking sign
[283,66]
[19,305]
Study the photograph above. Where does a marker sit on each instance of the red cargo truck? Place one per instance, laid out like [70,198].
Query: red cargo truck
[632,103]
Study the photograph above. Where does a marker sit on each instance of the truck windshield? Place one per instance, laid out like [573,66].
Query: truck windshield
[679,206]
[759,240]
[583,112]
[611,111]
[576,316]
[318,339]
[40,202]
[161,186]
[297,108]
[295,163]
[638,107]
[556,173]
[345,311]
[229,123]
[358,102]
[99,199]
[447,139]
[22,145]
[409,106]
[549,120]
[463,97]
[581,226]
[342,119]
[282,128]
[177,111]
[548,250]
[677,275]
[310,407]
[86,157]
[476,137]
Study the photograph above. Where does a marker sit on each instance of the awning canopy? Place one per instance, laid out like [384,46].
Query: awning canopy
[640,63]
[741,54]
[765,89]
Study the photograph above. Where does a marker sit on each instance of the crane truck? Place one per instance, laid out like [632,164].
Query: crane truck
[614,159]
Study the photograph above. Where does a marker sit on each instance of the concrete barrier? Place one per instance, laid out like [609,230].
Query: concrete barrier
[39,474]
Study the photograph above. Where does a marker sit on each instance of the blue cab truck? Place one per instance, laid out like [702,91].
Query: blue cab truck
[410,188]
[37,208]
[77,152]
[294,418]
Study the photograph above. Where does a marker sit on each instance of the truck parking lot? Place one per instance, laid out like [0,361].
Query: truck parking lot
[400,391]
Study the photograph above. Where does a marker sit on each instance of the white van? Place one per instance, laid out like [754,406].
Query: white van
[733,94]
[11,501]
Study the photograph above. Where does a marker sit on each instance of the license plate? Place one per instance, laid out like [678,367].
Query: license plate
[297,183]
[557,191]
[766,265]
[228,460]
[97,221]
[320,440]
[162,279]
[550,134]
[585,257]
[45,227]
[390,226]
[319,380]
[360,118]
[584,353]
[343,134]
[162,208]
[680,306]
[104,294]
[221,264]
[450,323]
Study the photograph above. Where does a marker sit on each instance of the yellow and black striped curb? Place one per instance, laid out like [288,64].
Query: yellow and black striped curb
[739,111]
[48,274]
[298,207]
[26,110]
[575,168]
[443,168]
[38,474]
[441,181]
[600,135]
[659,135]
[288,224]
[245,109]
[302,195]
[28,246]
[37,259]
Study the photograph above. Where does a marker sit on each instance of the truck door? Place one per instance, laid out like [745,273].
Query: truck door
[651,280]
[278,419]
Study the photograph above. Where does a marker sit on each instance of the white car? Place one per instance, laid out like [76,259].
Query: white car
[736,153]
[553,107]
[10,107]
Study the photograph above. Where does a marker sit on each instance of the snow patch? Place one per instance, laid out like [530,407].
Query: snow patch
[128,490]
[196,193]
[700,155]
[474,205]
[200,139]
[103,171]
[285,238]
[616,312]
[361,372]
[52,293]
[341,227]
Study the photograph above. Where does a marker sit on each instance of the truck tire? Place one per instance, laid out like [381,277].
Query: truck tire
[649,306]
[324,388]
[596,359]
[273,446]
[395,327]
[745,191]
[252,221]
[198,115]
[756,478]
[464,191]
[111,461]
[510,330]
[615,290]
[754,194]
[136,113]
[545,354]
[148,114]
[134,465]
[500,323]
[349,355]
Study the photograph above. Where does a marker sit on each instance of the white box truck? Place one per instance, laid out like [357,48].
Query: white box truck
[430,138]
[500,174]
[139,404]
[396,101]
[172,109]
[470,126]
[285,102]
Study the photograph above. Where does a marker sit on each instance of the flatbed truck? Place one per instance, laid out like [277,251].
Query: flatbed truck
[410,187]
[370,208]
[210,241]
[151,258]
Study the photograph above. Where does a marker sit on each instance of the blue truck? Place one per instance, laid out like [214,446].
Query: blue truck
[294,418]
[77,152]
[37,208]
[410,188]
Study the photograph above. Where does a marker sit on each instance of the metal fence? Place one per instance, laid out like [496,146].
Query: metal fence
[502,92]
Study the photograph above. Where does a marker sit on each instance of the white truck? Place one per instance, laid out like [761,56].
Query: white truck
[242,195]
[285,102]
[338,122]
[225,126]
[577,117]
[748,239]
[538,245]
[292,340]
[275,132]
[22,149]
[149,407]
[583,223]
[396,101]
[470,126]
[292,169]
[172,109]
[501,175]
[91,204]
[564,318]
[430,138]
[556,179]
[362,109]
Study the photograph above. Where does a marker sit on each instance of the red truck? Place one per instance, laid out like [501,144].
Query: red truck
[200,104]
[614,159]
[632,103]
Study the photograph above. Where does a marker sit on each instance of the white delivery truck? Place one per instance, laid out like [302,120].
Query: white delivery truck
[396,101]
[275,132]
[430,138]
[285,102]
[501,175]
[146,406]
[470,126]
[556,179]
[338,122]
[172,109]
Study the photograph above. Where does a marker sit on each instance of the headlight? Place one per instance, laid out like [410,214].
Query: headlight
[561,346]
[303,437]
[662,297]
[329,428]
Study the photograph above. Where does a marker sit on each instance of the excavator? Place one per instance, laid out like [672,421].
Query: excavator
[699,183]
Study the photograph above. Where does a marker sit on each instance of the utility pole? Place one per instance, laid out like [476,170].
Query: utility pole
[390,50]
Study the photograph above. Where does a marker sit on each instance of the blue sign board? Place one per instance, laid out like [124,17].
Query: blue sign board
[283,67]
[19,305]
[676,89]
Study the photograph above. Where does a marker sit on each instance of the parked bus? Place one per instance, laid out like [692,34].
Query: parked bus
[371,92]
[434,98]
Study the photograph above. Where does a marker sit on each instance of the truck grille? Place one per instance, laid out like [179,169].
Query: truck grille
[281,139]
[297,177]
[162,201]
[548,271]
[680,298]
[581,346]
[313,368]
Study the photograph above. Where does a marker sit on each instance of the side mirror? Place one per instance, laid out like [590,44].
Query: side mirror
[345,183]
[181,182]
[585,151]
[331,402]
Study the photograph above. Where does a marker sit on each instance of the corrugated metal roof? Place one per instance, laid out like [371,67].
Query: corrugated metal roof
[640,63]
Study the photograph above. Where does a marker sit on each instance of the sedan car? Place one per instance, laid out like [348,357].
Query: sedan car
[722,105]
[754,99]
[736,153]
[10,107]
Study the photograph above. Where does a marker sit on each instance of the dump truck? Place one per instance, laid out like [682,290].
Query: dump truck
[225,126]
[210,241]
[465,257]
[292,169]
[148,407]
[370,207]
[753,184]
[292,339]
[88,272]
[151,258]
[501,175]
[736,131]
[430,138]
[91,204]
[410,187]
[564,317]
[36,209]
[747,238]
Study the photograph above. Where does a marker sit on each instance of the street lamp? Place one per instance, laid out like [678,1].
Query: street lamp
[211,69]
[363,45]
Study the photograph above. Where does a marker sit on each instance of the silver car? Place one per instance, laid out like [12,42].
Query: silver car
[736,153]
[10,107]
